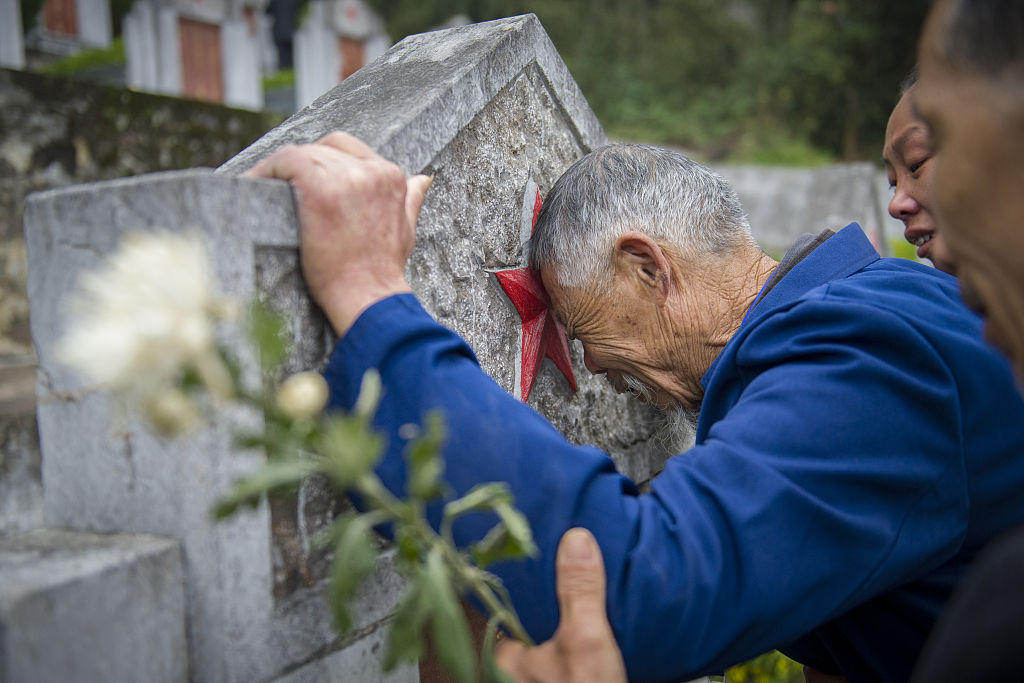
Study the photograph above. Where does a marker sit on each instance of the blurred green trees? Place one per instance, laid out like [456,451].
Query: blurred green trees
[776,81]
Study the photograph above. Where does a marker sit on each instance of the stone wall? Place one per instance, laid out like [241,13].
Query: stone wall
[56,132]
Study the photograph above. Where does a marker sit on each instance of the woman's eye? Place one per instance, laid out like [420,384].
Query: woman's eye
[913,168]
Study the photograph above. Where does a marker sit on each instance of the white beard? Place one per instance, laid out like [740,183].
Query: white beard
[677,426]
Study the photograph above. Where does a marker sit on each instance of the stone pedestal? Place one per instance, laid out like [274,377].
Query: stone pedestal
[91,609]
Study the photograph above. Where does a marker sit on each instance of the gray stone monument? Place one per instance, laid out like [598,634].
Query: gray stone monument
[336,38]
[171,45]
[783,203]
[492,112]
[12,48]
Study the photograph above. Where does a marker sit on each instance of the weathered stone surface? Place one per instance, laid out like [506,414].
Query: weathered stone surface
[113,475]
[21,489]
[91,609]
[356,661]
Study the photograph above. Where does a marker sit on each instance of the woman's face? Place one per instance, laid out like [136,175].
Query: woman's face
[908,162]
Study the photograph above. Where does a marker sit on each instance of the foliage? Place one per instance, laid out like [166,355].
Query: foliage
[282,78]
[87,60]
[777,81]
[771,667]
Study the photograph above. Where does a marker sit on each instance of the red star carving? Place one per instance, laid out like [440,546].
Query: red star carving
[543,335]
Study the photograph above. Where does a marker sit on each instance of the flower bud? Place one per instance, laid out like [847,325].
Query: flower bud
[170,412]
[302,396]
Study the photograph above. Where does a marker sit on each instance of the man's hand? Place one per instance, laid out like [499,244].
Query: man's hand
[358,217]
[583,649]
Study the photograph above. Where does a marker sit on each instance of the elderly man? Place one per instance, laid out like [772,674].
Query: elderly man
[855,446]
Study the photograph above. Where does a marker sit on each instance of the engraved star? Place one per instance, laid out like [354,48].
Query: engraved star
[543,335]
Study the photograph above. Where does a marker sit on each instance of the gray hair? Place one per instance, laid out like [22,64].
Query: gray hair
[625,187]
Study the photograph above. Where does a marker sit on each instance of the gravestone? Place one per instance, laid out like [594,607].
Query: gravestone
[783,203]
[335,39]
[12,48]
[491,111]
[203,49]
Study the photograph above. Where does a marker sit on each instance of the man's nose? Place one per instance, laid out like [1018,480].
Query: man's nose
[592,365]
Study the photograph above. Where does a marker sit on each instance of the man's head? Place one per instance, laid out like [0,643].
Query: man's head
[907,156]
[971,96]
[644,254]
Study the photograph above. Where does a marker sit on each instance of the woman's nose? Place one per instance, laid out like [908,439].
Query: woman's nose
[902,205]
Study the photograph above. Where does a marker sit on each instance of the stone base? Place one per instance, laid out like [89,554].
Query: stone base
[87,607]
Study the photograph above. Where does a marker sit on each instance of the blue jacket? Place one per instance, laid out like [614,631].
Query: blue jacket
[858,443]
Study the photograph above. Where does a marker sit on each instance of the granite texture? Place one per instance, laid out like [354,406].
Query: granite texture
[91,608]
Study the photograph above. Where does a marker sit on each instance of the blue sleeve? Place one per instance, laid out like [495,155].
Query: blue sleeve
[833,477]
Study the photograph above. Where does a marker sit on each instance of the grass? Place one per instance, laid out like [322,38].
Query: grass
[86,60]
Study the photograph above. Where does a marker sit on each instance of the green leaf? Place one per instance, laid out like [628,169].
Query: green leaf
[369,395]
[448,627]
[496,546]
[407,543]
[480,497]
[406,634]
[355,555]
[272,477]
[426,466]
[350,447]
[518,527]
[267,331]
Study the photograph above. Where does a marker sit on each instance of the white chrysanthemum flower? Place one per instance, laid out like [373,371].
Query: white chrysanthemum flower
[145,317]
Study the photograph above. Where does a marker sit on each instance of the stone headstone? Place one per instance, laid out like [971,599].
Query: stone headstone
[12,48]
[222,62]
[491,111]
[89,607]
[336,38]
[783,203]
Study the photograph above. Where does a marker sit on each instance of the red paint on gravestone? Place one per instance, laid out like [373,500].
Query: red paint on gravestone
[543,335]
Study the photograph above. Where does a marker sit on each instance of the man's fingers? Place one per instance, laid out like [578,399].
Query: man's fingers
[580,579]
[508,654]
[540,664]
[283,164]
[349,144]
[416,189]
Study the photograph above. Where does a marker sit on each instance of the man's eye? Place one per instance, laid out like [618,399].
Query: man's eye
[913,168]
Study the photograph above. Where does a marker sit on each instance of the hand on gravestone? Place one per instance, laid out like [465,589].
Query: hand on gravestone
[583,648]
[357,213]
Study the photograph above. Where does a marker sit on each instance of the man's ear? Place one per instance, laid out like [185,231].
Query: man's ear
[639,255]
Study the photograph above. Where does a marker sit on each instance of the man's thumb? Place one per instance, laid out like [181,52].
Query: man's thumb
[580,579]
[416,189]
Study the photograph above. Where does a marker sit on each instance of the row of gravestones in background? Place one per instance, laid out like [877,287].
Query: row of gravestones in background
[531,122]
